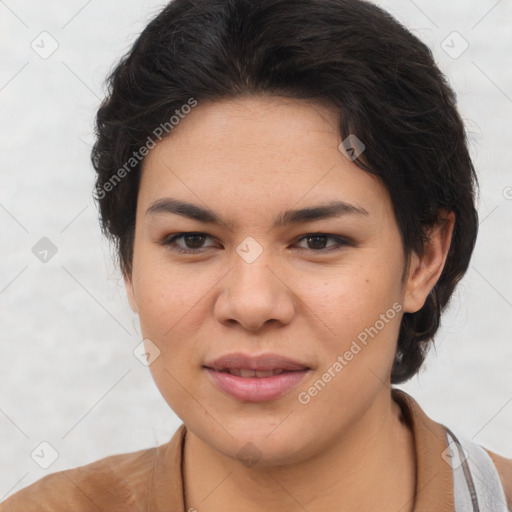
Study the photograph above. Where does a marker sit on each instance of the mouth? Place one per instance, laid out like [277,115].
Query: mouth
[245,372]
[255,378]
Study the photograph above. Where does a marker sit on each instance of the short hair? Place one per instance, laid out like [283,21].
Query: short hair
[348,54]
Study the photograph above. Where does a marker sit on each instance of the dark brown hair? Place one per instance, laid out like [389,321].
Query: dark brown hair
[349,54]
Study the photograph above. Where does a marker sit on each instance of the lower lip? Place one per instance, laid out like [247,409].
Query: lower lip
[256,389]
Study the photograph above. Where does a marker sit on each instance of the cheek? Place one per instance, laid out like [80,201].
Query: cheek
[171,312]
[160,301]
[362,308]
[353,297]
[165,292]
[363,313]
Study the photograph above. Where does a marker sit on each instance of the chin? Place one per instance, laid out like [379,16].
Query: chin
[261,443]
[261,452]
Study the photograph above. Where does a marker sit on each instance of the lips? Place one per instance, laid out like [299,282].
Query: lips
[262,363]
[255,378]
[243,372]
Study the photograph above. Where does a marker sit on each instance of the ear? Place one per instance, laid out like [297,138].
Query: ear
[128,284]
[425,270]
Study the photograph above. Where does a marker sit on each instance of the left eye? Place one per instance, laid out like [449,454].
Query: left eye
[318,241]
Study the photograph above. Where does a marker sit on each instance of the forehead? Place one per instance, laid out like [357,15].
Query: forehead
[260,153]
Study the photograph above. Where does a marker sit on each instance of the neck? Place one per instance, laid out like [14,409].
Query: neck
[371,467]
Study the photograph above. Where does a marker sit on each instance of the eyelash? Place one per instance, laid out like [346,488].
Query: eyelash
[170,242]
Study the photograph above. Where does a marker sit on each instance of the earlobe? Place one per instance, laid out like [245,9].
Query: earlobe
[128,284]
[425,270]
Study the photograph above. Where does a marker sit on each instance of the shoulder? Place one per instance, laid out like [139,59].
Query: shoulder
[504,467]
[116,483]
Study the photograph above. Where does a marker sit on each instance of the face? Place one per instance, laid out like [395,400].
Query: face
[291,265]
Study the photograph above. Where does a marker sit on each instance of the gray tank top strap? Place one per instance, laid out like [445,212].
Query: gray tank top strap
[476,482]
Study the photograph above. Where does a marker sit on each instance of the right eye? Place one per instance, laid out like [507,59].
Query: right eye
[191,242]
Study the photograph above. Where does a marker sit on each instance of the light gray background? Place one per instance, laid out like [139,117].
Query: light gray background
[69,376]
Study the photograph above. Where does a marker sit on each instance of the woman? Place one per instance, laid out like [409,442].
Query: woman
[292,200]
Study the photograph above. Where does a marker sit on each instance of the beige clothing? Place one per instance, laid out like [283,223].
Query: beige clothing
[151,480]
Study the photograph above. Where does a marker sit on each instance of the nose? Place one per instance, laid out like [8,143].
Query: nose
[255,294]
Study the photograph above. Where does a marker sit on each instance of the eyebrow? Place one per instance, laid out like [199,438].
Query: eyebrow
[169,205]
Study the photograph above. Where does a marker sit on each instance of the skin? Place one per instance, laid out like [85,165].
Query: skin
[248,160]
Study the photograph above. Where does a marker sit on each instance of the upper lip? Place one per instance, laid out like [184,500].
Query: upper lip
[259,362]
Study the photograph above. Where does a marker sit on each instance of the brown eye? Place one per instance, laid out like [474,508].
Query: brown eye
[189,243]
[193,241]
[318,242]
